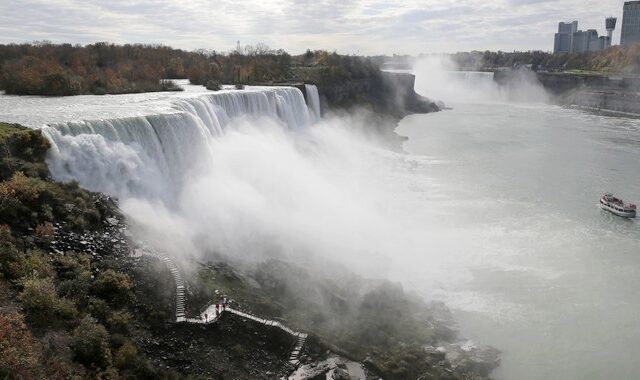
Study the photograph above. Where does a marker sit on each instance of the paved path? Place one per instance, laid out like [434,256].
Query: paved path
[210,311]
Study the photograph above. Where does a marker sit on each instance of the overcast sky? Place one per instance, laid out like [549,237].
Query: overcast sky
[348,26]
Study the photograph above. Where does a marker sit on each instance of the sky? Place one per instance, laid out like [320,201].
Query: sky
[367,27]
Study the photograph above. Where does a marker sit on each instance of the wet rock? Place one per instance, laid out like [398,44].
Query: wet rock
[436,353]
[340,374]
[471,359]
[112,221]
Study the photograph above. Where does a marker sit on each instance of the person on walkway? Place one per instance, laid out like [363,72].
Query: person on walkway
[217,310]
[206,317]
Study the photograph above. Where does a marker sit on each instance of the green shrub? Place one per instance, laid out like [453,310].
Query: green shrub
[214,85]
[168,85]
[78,222]
[66,309]
[90,344]
[44,233]
[73,265]
[28,201]
[126,356]
[99,309]
[120,321]
[74,274]
[76,289]
[37,264]
[38,295]
[40,299]
[46,211]
[114,286]
[11,260]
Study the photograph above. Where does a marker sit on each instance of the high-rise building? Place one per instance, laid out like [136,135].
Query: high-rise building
[593,42]
[564,38]
[580,42]
[604,43]
[630,23]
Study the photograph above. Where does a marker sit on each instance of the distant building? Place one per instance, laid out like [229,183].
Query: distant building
[580,43]
[593,42]
[564,38]
[630,23]
[610,25]
[571,40]
[604,42]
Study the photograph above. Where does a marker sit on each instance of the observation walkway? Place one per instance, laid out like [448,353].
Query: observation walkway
[209,314]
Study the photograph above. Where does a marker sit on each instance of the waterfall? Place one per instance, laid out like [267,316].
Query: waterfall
[150,156]
[472,78]
[313,100]
[454,87]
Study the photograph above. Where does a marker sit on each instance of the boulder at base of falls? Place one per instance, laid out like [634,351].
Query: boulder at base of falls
[472,360]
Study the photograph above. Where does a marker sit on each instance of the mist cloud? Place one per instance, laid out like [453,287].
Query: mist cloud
[437,78]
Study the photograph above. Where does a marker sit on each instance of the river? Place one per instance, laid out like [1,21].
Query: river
[494,209]
[550,279]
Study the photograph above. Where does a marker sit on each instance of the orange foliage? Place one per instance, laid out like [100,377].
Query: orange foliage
[20,356]
[48,69]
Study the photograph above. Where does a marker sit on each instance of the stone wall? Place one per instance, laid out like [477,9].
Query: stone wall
[623,102]
[595,92]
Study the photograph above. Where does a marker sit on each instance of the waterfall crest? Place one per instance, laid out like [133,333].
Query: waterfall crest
[313,100]
[149,156]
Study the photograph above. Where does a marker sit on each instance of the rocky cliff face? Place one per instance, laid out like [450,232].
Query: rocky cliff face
[609,101]
[388,93]
[595,92]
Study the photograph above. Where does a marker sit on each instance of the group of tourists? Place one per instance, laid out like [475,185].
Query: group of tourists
[219,308]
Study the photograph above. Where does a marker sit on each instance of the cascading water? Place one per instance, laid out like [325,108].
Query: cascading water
[149,156]
[472,78]
[459,86]
[313,100]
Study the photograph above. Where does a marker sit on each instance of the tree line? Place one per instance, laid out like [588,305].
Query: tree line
[43,68]
[617,59]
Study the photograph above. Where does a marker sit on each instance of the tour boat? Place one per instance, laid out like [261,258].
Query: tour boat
[617,206]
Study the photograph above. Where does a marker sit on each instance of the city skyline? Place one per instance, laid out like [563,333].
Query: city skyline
[630,28]
[367,27]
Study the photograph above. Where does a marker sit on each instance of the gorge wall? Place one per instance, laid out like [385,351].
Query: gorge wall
[596,92]
[386,93]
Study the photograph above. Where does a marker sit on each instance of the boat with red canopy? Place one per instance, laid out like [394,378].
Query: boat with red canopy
[617,206]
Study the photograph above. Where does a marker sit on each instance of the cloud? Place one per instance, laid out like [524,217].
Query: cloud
[348,26]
